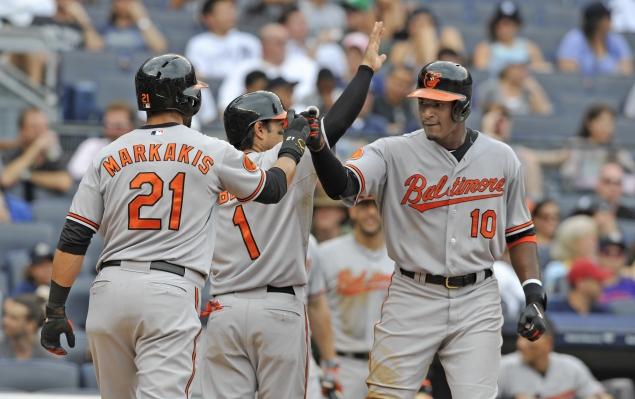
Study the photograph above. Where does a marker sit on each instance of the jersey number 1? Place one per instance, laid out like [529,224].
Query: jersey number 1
[240,221]
[136,222]
[487,222]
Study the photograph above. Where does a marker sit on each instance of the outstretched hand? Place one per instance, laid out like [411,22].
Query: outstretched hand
[372,58]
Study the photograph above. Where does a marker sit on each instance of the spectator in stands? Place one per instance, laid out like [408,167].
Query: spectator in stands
[594,49]
[620,286]
[22,316]
[576,238]
[69,28]
[256,80]
[517,89]
[324,18]
[284,89]
[119,118]
[130,29]
[546,217]
[368,125]
[593,148]
[393,104]
[327,91]
[37,276]
[329,216]
[274,63]
[216,53]
[536,371]
[423,40]
[497,123]
[255,14]
[505,46]
[37,163]
[447,54]
[586,282]
[608,193]
[354,45]
[393,13]
[360,15]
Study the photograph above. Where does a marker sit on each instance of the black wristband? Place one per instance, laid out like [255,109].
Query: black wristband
[535,293]
[58,295]
[289,154]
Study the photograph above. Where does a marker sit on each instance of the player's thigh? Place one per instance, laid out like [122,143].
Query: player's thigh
[353,373]
[471,353]
[280,334]
[168,336]
[227,371]
[413,324]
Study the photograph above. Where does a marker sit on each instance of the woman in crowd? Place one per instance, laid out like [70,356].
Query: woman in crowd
[546,217]
[130,29]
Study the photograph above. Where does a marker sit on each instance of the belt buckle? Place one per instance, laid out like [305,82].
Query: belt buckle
[447,284]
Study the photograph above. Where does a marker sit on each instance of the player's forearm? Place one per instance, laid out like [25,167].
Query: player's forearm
[59,181]
[348,106]
[288,166]
[524,258]
[66,267]
[336,180]
[320,322]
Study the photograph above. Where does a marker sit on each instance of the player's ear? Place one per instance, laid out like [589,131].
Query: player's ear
[260,129]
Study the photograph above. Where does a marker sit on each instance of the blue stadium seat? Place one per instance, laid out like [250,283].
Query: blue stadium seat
[89,380]
[4,284]
[17,262]
[52,212]
[624,132]
[80,354]
[544,131]
[23,235]
[38,374]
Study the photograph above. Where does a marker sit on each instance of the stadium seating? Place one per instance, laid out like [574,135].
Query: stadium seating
[23,235]
[80,354]
[52,212]
[77,304]
[87,371]
[17,261]
[38,374]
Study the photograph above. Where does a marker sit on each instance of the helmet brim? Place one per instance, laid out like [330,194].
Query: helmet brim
[281,116]
[438,95]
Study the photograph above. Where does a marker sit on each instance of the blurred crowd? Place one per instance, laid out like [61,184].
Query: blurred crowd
[306,51]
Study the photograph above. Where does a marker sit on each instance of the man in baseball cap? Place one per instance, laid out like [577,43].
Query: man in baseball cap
[586,280]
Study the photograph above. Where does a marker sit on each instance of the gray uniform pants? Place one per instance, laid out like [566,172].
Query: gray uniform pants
[418,320]
[142,327]
[258,341]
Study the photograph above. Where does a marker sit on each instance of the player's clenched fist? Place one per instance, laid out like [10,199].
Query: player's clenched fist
[56,323]
[315,142]
[294,136]
[532,323]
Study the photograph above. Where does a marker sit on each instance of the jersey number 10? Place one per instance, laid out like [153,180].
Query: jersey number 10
[136,222]
[487,223]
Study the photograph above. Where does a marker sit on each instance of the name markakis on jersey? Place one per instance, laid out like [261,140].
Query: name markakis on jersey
[422,197]
[158,153]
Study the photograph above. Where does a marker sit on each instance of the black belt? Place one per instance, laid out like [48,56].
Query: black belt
[154,265]
[284,290]
[449,282]
[353,355]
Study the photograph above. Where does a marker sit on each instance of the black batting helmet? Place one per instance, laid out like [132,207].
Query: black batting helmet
[446,81]
[247,109]
[168,82]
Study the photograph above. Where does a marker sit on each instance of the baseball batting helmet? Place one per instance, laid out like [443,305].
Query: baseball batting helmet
[446,81]
[168,82]
[247,109]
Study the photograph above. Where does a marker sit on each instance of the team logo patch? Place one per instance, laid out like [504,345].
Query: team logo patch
[431,79]
[158,132]
[357,154]
[249,164]
[145,100]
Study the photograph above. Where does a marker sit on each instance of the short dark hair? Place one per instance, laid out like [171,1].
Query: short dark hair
[541,204]
[122,106]
[591,17]
[286,13]
[34,305]
[591,113]
[208,6]
[254,76]
[504,10]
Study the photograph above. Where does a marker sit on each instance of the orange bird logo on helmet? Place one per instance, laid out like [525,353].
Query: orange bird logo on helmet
[431,79]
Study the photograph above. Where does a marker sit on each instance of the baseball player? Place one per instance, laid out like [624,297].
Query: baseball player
[451,199]
[149,192]
[258,331]
[357,271]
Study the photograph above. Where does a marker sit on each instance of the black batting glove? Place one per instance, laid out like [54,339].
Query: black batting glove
[56,323]
[532,323]
[315,142]
[294,137]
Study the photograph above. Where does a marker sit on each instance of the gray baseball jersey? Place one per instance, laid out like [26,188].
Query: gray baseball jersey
[567,377]
[153,192]
[356,279]
[425,195]
[257,244]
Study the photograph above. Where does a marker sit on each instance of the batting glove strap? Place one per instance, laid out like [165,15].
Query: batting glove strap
[294,137]
[535,293]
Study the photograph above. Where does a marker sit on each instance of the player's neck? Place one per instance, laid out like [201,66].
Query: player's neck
[541,364]
[372,242]
[455,139]
[165,117]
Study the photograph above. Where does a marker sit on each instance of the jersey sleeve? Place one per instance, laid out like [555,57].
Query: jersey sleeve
[87,207]
[368,164]
[586,384]
[519,225]
[240,176]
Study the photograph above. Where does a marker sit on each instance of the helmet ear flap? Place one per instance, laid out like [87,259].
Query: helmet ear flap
[461,110]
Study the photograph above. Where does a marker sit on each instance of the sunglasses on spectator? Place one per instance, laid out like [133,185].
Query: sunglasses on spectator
[608,180]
